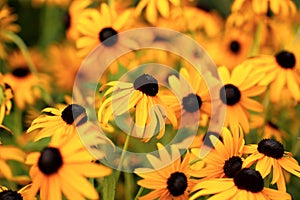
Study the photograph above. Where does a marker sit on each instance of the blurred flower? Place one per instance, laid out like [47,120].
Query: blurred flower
[281,70]
[193,96]
[144,96]
[246,184]
[11,153]
[6,96]
[6,25]
[170,182]
[225,160]
[270,155]
[58,169]
[21,194]
[282,8]
[238,87]
[153,7]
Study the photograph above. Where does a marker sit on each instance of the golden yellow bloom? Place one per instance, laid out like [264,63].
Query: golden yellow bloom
[270,155]
[247,184]
[169,182]
[153,7]
[61,168]
[6,25]
[239,87]
[282,8]
[144,96]
[225,160]
[6,96]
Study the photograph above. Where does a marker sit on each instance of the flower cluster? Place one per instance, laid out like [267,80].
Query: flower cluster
[149,99]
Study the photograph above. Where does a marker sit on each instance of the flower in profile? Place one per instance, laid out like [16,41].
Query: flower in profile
[7,25]
[246,184]
[61,121]
[193,96]
[6,96]
[22,194]
[282,8]
[11,153]
[96,26]
[153,7]
[61,168]
[270,155]
[238,87]
[225,159]
[144,96]
[169,182]
[281,70]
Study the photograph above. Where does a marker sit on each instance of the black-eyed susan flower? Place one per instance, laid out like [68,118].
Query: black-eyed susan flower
[143,95]
[7,20]
[239,87]
[6,96]
[193,96]
[11,153]
[246,184]
[153,7]
[270,155]
[282,8]
[61,121]
[169,182]
[281,70]
[22,194]
[225,159]
[96,26]
[61,168]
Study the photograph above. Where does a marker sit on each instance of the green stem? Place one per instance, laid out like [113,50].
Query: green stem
[139,193]
[257,39]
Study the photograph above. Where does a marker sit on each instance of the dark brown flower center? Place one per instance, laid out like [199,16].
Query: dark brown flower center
[72,112]
[230,94]
[271,148]
[177,184]
[108,36]
[249,179]
[50,160]
[235,47]
[191,103]
[10,195]
[232,166]
[146,84]
[21,72]
[286,59]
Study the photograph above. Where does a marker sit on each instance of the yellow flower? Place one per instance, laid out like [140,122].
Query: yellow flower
[270,155]
[11,153]
[246,184]
[61,168]
[282,8]
[169,182]
[144,96]
[238,87]
[281,73]
[6,25]
[153,7]
[225,160]
[6,96]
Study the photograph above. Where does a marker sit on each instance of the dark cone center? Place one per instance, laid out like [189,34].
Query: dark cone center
[72,112]
[50,160]
[108,36]
[286,59]
[146,84]
[10,195]
[249,179]
[21,72]
[192,103]
[232,166]
[235,46]
[230,94]
[177,184]
[271,148]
